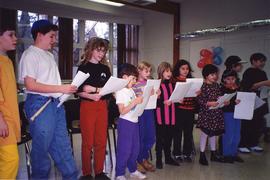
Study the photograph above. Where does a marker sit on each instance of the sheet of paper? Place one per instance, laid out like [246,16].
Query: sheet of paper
[195,86]
[258,102]
[112,85]
[152,103]
[79,78]
[179,92]
[245,109]
[264,92]
[146,95]
[222,99]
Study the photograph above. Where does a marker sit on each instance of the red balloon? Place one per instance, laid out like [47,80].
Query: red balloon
[201,63]
[206,53]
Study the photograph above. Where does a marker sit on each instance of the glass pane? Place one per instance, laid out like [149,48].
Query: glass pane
[75,30]
[94,28]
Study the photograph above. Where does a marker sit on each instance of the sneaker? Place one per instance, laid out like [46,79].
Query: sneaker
[102,176]
[171,161]
[148,166]
[243,150]
[159,164]
[228,159]
[141,168]
[138,175]
[120,178]
[187,158]
[256,149]
[178,158]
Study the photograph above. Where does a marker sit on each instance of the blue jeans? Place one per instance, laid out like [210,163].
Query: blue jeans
[49,136]
[127,147]
[147,132]
[231,137]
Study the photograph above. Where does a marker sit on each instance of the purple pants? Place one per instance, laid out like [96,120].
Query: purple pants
[127,146]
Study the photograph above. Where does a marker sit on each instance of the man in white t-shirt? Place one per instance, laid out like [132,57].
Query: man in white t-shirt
[127,126]
[39,72]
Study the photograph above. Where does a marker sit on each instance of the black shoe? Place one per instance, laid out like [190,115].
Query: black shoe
[216,157]
[203,160]
[102,176]
[238,159]
[187,158]
[178,158]
[228,159]
[171,161]
[87,177]
[159,164]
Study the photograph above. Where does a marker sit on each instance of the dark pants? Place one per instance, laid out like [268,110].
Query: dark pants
[164,135]
[252,130]
[184,126]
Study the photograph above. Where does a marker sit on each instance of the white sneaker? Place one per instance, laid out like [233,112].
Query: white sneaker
[120,178]
[137,175]
[256,149]
[244,150]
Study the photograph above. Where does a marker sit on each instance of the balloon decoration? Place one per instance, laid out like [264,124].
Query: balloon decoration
[210,57]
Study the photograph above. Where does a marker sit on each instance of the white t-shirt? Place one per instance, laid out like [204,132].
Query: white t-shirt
[40,65]
[126,96]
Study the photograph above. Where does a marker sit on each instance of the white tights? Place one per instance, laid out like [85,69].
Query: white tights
[203,140]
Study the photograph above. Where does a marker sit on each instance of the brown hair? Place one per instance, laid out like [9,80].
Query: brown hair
[163,66]
[94,43]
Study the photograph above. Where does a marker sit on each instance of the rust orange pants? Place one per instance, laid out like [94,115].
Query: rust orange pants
[93,123]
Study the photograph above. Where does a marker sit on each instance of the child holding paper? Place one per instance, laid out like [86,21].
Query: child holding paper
[165,114]
[93,108]
[210,121]
[127,128]
[39,72]
[252,130]
[184,115]
[146,121]
[231,137]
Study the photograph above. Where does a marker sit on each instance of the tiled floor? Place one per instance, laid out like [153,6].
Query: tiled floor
[256,166]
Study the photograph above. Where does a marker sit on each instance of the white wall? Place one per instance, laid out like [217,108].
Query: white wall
[201,14]
[156,39]
[242,44]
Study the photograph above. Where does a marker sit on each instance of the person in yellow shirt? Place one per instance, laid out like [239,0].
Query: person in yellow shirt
[9,113]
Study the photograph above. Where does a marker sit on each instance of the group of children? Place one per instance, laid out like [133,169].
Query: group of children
[165,126]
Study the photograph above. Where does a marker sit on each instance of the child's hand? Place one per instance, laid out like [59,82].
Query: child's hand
[226,103]
[212,103]
[89,89]
[138,100]
[237,101]
[198,92]
[95,97]
[3,127]
[158,92]
[152,91]
[68,89]
[167,102]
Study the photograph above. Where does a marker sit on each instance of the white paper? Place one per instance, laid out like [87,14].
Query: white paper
[222,99]
[146,95]
[195,86]
[245,109]
[264,92]
[258,102]
[79,78]
[180,90]
[112,85]
[152,103]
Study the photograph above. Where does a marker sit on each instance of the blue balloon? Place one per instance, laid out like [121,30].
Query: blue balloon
[217,60]
[217,50]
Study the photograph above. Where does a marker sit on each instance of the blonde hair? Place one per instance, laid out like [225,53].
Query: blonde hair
[163,66]
[143,65]
[92,44]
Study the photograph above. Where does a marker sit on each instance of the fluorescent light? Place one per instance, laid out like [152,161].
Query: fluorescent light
[108,2]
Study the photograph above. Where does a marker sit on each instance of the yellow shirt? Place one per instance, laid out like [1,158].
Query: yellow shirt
[9,102]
